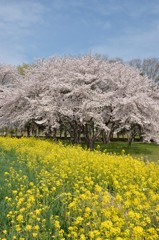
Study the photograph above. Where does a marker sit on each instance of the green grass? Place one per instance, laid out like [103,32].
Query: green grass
[6,160]
[149,151]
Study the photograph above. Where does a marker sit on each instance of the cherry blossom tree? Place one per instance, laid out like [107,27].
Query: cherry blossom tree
[8,82]
[87,97]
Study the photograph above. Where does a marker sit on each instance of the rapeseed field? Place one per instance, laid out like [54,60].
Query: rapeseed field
[50,191]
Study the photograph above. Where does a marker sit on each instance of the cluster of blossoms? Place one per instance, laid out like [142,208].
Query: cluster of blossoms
[55,192]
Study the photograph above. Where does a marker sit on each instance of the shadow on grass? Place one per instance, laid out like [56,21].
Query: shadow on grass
[117,147]
[149,151]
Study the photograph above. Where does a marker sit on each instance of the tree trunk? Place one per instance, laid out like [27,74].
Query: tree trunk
[65,134]
[5,132]
[89,136]
[28,131]
[91,144]
[61,130]
[130,140]
[105,137]
[54,134]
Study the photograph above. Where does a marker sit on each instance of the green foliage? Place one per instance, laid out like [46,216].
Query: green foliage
[22,68]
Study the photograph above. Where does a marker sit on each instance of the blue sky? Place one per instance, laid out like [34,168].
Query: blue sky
[32,29]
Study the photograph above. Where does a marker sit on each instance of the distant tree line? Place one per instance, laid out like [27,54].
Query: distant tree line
[148,67]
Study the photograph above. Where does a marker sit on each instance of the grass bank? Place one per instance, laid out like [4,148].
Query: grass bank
[148,151]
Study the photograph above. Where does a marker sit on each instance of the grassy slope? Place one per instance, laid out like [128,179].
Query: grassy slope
[147,151]
[6,159]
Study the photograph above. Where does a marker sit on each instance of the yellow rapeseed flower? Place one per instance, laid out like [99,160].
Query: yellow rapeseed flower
[34,234]
[20,218]
[4,231]
[94,195]
[28,227]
